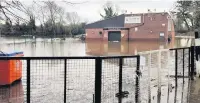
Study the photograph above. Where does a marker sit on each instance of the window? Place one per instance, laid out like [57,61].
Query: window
[100,33]
[136,29]
[162,34]
[163,25]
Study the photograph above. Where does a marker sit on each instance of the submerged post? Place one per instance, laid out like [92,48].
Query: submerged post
[192,63]
[137,84]
[65,80]
[98,72]
[28,81]
[176,68]
[183,66]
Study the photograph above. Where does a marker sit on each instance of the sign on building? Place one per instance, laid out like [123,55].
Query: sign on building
[133,19]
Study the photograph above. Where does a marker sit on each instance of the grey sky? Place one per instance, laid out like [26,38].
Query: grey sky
[90,10]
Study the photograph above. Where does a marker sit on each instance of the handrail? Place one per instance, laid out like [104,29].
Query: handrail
[69,57]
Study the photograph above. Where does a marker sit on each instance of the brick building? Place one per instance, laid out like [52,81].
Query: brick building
[156,26]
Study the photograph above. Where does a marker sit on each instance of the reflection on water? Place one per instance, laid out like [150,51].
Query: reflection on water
[12,94]
[132,47]
[71,47]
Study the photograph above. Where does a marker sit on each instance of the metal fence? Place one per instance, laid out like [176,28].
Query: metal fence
[160,76]
[182,74]
[72,80]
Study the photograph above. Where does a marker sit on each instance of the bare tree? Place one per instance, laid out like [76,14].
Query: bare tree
[12,9]
[52,12]
[73,19]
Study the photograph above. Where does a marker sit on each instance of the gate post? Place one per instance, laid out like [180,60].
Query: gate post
[98,73]
[137,84]
[28,94]
[192,63]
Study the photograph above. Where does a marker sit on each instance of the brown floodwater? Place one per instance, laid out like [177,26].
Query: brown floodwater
[71,47]
[133,47]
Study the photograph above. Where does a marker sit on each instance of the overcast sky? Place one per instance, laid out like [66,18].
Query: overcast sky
[89,11]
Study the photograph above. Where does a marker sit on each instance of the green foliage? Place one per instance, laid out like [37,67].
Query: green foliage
[42,30]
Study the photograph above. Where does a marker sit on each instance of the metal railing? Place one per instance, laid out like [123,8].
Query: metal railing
[71,79]
[185,59]
[103,79]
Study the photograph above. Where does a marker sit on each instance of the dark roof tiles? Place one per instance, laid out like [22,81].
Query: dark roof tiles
[117,21]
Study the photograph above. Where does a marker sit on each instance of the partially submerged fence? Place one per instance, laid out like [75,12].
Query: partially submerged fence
[160,76]
[72,80]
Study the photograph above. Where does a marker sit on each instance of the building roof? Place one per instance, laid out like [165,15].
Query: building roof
[117,21]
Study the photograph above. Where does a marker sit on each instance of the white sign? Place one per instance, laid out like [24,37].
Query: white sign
[162,34]
[133,19]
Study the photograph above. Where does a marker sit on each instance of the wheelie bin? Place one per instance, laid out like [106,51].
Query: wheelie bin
[10,70]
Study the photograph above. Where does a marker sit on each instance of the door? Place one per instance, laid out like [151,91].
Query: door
[162,35]
[114,36]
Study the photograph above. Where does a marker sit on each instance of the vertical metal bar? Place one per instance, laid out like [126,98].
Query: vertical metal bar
[65,80]
[183,66]
[28,81]
[168,78]
[192,63]
[93,99]
[159,78]
[120,78]
[176,72]
[149,79]
[189,79]
[183,75]
[175,95]
[137,85]
[176,67]
[98,72]
[189,65]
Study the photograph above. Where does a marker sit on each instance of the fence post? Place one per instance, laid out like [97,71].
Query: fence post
[65,80]
[189,65]
[192,63]
[98,72]
[176,68]
[137,84]
[120,75]
[183,66]
[28,81]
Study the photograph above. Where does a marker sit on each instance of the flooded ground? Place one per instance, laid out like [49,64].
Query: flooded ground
[72,47]
[48,75]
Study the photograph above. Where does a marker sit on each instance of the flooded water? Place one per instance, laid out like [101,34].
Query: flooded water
[47,75]
[71,47]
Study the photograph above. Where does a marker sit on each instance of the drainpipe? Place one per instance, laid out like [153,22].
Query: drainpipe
[128,34]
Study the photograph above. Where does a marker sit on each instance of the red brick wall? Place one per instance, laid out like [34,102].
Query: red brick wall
[154,25]
[144,29]
[124,35]
[92,34]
